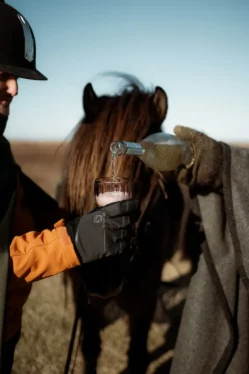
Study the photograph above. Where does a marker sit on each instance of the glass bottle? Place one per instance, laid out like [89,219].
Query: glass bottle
[160,151]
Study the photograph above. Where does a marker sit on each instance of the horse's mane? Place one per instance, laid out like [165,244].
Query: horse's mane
[123,116]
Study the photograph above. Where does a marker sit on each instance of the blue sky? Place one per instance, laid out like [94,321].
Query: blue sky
[198,51]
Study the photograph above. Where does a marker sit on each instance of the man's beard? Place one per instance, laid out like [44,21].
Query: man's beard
[3,122]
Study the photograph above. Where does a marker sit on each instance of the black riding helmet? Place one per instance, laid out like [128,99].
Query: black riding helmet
[17,47]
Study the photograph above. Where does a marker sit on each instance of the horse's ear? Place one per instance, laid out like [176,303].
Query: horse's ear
[159,105]
[90,102]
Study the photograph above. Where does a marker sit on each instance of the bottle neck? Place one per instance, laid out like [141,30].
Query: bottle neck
[134,148]
[127,148]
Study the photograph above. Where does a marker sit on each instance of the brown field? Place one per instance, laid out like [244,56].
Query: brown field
[48,319]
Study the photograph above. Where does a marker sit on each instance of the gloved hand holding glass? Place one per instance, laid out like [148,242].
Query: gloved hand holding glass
[107,230]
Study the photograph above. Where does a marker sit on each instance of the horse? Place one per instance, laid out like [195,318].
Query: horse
[133,281]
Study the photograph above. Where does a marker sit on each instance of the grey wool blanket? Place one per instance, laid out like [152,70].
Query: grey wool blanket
[214,330]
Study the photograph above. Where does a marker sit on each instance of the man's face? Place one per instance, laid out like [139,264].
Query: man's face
[8,89]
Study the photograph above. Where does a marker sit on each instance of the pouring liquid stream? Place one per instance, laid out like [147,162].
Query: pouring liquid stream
[114,156]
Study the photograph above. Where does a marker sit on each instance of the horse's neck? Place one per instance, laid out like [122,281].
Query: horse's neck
[148,207]
[165,211]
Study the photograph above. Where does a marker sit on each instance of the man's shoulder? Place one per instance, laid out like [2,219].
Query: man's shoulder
[5,150]
[4,141]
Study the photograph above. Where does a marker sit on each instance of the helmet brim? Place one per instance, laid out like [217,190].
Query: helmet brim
[23,73]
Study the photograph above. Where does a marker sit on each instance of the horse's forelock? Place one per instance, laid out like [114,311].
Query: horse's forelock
[124,117]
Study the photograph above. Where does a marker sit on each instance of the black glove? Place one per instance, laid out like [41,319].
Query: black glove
[104,232]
